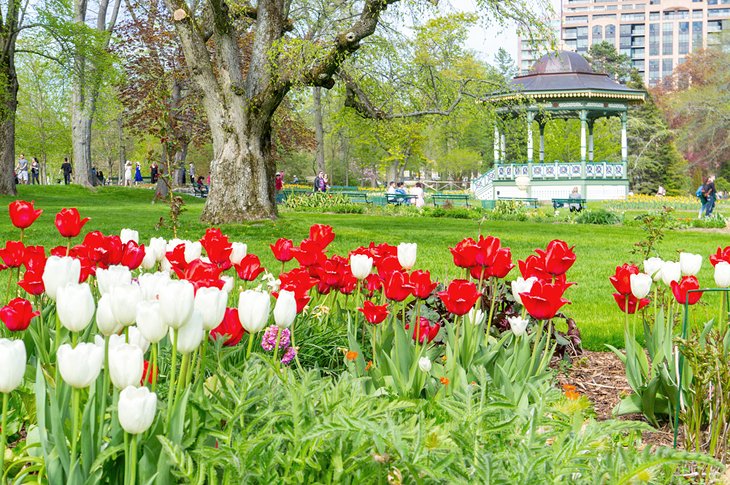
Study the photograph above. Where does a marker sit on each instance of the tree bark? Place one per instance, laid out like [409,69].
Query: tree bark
[8,96]
[318,127]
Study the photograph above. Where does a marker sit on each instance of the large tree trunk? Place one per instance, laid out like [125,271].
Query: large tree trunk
[8,99]
[81,141]
[318,127]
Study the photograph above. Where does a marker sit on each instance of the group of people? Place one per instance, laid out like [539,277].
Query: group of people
[707,193]
[321,182]
[413,196]
[23,168]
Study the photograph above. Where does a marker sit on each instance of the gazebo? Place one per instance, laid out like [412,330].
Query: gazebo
[560,85]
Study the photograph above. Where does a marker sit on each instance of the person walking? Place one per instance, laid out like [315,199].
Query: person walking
[128,174]
[35,170]
[319,183]
[22,170]
[710,193]
[191,170]
[154,172]
[67,170]
[138,174]
[418,192]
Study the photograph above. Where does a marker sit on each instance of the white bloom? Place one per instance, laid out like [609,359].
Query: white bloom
[253,310]
[285,310]
[211,304]
[151,283]
[136,409]
[518,325]
[127,235]
[12,363]
[113,275]
[58,272]
[722,274]
[190,335]
[424,363]
[640,285]
[135,338]
[238,252]
[126,364]
[477,316]
[149,321]
[105,321]
[361,265]
[80,366]
[124,299]
[521,285]
[176,301]
[407,254]
[227,283]
[157,247]
[690,263]
[653,267]
[193,250]
[75,306]
[671,271]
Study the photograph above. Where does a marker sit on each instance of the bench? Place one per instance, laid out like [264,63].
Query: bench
[558,203]
[449,198]
[399,199]
[528,201]
[357,197]
[201,191]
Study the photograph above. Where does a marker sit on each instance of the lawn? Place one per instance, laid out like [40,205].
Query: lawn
[599,248]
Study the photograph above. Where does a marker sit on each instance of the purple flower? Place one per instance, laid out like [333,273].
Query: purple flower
[291,352]
[268,341]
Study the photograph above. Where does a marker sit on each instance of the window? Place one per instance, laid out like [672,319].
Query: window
[654,16]
[653,72]
[676,14]
[569,34]
[667,67]
[653,39]
[696,36]
[637,54]
[718,12]
[632,17]
[667,38]
[697,14]
[683,46]
[579,19]
[597,34]
[637,42]
[610,34]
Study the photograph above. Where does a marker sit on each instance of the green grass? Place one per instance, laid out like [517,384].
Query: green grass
[599,248]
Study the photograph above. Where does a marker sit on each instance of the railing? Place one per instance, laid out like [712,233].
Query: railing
[561,170]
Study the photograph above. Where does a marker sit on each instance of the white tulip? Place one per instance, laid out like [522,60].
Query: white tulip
[407,254]
[238,252]
[114,275]
[190,335]
[253,310]
[640,285]
[124,299]
[173,243]
[521,285]
[227,283]
[285,310]
[58,272]
[518,325]
[105,321]
[136,409]
[149,261]
[671,271]
[177,298]
[133,337]
[80,366]
[211,304]
[149,321]
[75,306]
[653,267]
[157,247]
[690,263]
[12,363]
[151,283]
[424,363]
[127,235]
[193,250]
[722,274]
[477,316]
[361,265]
[126,365]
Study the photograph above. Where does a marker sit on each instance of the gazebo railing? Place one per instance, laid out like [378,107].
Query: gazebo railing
[560,170]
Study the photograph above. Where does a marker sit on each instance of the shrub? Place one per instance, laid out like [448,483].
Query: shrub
[597,216]
[320,201]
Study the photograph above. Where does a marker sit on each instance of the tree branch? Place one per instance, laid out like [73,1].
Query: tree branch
[47,56]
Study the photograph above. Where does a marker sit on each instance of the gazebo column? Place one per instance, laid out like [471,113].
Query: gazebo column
[542,142]
[530,118]
[583,126]
[496,144]
[590,140]
[624,137]
[503,145]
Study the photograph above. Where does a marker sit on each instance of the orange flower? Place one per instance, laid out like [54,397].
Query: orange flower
[572,395]
[568,387]
[444,381]
[351,355]
[369,366]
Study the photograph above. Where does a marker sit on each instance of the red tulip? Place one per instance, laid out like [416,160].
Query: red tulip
[460,297]
[297,280]
[230,327]
[13,254]
[17,314]
[69,222]
[22,213]
[32,282]
[633,304]
[424,331]
[282,249]
[322,234]
[486,250]
[347,283]
[202,274]
[374,314]
[309,253]
[382,250]
[621,279]
[557,258]
[132,255]
[249,268]
[372,284]
[397,287]
[534,266]
[464,253]
[720,255]
[148,375]
[687,283]
[421,283]
[34,258]
[544,299]
[177,260]
[501,263]
[387,265]
[217,247]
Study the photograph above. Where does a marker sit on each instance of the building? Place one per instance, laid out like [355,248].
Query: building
[656,34]
[529,51]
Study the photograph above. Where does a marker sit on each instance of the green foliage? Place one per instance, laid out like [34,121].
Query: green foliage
[317,200]
[597,216]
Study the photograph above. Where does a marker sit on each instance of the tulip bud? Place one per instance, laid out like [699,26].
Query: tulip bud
[12,363]
[521,285]
[105,321]
[58,272]
[114,275]
[653,267]
[127,235]
[80,366]
[136,409]
[285,310]
[190,335]
[193,250]
[690,263]
[75,306]
[671,271]
[476,316]
[176,302]
[407,255]
[151,283]
[640,285]
[518,325]
[126,363]
[361,265]
[211,304]
[722,274]
[124,299]
[238,252]
[149,321]
[253,310]
[424,363]
[157,247]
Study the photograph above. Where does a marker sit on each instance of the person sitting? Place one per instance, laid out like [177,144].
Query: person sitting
[661,191]
[200,185]
[575,207]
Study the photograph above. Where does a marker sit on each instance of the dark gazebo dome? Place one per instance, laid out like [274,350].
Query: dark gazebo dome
[561,62]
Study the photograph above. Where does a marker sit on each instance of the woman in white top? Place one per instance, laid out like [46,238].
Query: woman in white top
[418,192]
[128,174]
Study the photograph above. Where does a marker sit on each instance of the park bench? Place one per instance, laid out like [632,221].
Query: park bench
[399,199]
[558,203]
[528,201]
[201,191]
[357,197]
[443,198]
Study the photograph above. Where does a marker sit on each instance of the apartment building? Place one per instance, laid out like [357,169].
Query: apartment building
[656,34]
[529,51]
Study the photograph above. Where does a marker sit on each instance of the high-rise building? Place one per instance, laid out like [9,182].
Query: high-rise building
[656,34]
[530,50]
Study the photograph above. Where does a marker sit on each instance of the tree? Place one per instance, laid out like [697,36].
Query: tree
[240,106]
[604,58]
[504,64]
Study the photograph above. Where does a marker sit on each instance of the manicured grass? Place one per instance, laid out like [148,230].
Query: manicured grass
[599,248]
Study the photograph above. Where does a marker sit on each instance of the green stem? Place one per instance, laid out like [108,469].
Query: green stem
[75,428]
[132,460]
[250,345]
[491,309]
[173,368]
[291,339]
[183,374]
[538,338]
[201,363]
[74,339]
[276,347]
[3,432]
[57,341]
[721,318]
[126,458]
[104,386]
[153,364]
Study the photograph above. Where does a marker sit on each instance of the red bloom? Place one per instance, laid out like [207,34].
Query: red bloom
[103,251]
[397,287]
[720,255]
[13,254]
[282,249]
[230,327]
[387,265]
[632,305]
[421,283]
[69,222]
[202,274]
[297,280]
[249,268]
[148,375]
[32,282]
[424,331]
[22,213]
[382,250]
[545,299]
[534,266]
[621,279]
[374,314]
[557,257]
[322,234]
[34,258]
[347,283]
[687,283]
[17,314]
[217,247]
[372,284]
[486,250]
[465,253]
[501,263]
[460,297]
[177,260]
[309,253]
[132,255]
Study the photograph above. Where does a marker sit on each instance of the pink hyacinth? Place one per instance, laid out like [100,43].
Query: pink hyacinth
[268,341]
[291,352]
